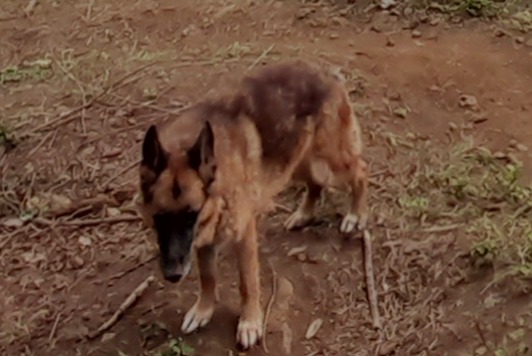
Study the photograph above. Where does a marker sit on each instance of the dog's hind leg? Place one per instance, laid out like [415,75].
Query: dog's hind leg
[249,330]
[201,313]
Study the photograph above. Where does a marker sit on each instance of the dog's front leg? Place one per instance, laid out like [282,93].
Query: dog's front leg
[201,313]
[250,324]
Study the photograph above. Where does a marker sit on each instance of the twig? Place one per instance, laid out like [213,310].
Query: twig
[481,334]
[442,228]
[370,281]
[261,57]
[88,222]
[120,172]
[132,298]
[91,203]
[54,327]
[131,269]
[112,219]
[66,116]
[269,308]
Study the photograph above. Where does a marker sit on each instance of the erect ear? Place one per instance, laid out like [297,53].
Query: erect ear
[153,154]
[202,152]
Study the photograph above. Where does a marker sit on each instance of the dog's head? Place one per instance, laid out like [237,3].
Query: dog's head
[173,184]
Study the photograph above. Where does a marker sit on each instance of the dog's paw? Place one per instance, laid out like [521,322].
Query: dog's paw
[249,332]
[197,317]
[351,221]
[297,219]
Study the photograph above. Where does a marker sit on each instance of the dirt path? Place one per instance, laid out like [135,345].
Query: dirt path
[446,112]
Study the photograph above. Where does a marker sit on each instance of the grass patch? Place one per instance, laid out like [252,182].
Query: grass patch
[37,70]
[469,187]
[176,347]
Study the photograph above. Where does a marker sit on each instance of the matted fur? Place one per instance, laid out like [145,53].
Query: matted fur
[221,163]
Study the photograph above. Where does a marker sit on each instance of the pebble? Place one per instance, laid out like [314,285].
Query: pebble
[435,21]
[521,147]
[416,34]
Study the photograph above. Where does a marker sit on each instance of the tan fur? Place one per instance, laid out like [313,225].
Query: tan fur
[252,163]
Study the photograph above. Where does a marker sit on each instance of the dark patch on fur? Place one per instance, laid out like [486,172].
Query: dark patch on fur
[280,99]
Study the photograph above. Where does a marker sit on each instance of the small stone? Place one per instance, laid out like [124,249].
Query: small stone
[452,126]
[481,350]
[529,43]
[468,101]
[301,257]
[521,147]
[519,40]
[333,36]
[77,262]
[131,121]
[390,42]
[114,122]
[500,155]
[416,34]
[112,212]
[435,21]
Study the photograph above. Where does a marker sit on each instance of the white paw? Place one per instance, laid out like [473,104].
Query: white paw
[196,318]
[351,222]
[296,220]
[249,332]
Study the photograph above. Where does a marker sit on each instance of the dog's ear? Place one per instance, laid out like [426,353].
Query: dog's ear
[153,154]
[202,153]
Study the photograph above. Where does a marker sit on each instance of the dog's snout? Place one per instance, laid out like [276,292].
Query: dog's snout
[173,278]
[171,275]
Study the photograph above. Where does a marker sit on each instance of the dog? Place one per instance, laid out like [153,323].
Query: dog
[207,176]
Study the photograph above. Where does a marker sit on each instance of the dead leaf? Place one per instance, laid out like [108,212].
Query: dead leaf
[313,328]
[108,336]
[296,251]
[111,212]
[84,241]
[400,112]
[12,222]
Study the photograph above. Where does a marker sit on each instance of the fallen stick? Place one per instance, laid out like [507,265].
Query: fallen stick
[269,309]
[131,269]
[132,298]
[370,281]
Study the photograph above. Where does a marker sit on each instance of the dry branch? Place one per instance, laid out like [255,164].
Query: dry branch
[370,281]
[67,116]
[132,298]
[85,204]
[269,309]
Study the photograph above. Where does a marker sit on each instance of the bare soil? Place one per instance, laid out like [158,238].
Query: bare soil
[80,83]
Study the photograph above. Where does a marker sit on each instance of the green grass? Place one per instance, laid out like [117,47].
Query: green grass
[470,187]
[28,71]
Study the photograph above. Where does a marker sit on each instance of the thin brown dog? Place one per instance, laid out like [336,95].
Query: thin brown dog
[207,176]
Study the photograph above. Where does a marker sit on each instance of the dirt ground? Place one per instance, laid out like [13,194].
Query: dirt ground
[446,109]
